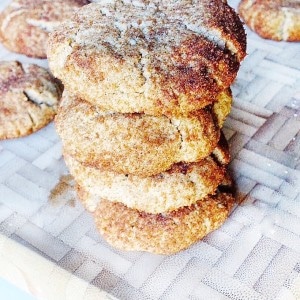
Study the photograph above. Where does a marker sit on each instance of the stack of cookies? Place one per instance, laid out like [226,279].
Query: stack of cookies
[147,89]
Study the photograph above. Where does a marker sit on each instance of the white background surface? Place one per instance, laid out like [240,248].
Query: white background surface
[11,292]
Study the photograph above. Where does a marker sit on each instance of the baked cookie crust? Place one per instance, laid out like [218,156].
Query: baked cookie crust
[182,185]
[167,233]
[277,20]
[137,144]
[159,58]
[29,97]
[25,24]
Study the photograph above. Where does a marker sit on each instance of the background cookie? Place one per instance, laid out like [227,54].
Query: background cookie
[25,24]
[158,58]
[130,229]
[278,20]
[135,143]
[29,98]
[182,185]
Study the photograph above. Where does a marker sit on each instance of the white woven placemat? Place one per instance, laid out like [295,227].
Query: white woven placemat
[255,255]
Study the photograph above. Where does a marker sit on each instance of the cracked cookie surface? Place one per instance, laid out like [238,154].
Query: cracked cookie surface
[25,24]
[137,144]
[29,97]
[163,233]
[277,20]
[153,57]
[181,185]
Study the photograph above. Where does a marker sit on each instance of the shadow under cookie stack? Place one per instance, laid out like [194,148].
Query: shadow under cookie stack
[147,90]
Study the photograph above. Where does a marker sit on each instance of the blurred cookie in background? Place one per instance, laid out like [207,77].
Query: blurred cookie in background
[25,24]
[277,20]
[29,96]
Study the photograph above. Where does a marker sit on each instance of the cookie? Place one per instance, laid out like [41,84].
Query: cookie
[181,185]
[165,233]
[25,24]
[277,20]
[153,57]
[222,107]
[29,97]
[137,144]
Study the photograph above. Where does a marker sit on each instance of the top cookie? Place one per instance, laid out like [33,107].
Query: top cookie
[152,57]
[25,24]
[29,97]
[277,20]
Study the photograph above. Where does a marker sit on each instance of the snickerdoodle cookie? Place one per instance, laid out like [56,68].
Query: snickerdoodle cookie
[29,98]
[154,57]
[25,24]
[137,144]
[277,20]
[182,185]
[164,233]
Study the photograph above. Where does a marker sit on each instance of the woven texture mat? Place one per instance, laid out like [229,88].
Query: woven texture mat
[255,255]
